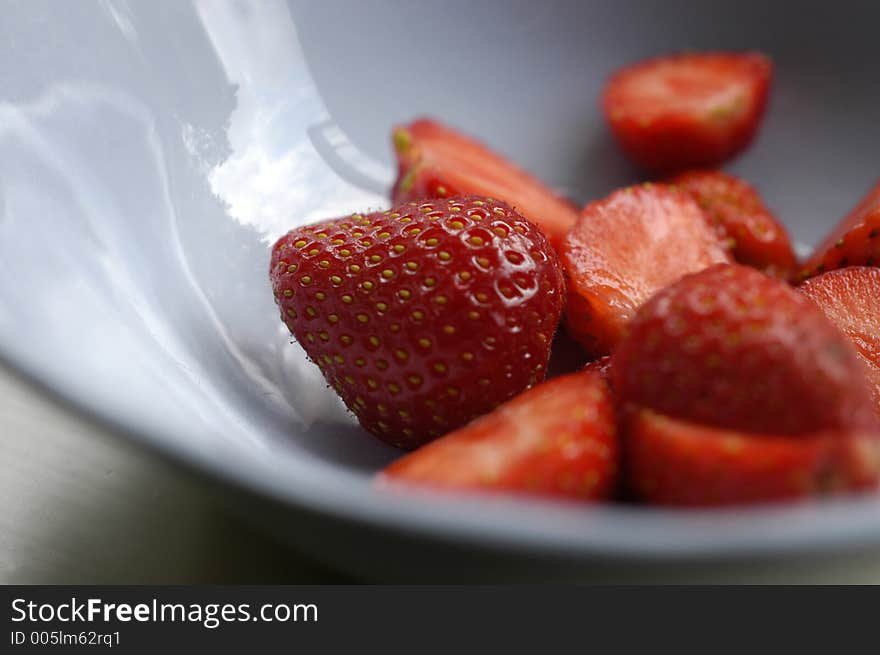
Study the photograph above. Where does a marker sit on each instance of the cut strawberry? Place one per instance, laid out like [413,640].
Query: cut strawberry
[855,241]
[733,348]
[624,249]
[435,161]
[425,316]
[756,237]
[672,462]
[850,297]
[557,439]
[689,110]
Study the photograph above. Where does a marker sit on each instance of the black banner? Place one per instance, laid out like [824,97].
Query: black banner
[418,619]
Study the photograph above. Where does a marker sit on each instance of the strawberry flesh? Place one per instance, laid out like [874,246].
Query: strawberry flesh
[673,462]
[435,161]
[684,111]
[624,249]
[425,316]
[756,236]
[558,439]
[850,297]
[732,348]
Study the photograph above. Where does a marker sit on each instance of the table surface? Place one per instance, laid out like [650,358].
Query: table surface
[80,505]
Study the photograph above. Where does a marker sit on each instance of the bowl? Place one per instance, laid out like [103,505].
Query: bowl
[150,153]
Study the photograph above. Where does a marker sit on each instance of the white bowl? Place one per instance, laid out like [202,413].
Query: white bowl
[150,152]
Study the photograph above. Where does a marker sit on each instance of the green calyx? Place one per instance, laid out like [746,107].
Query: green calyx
[408,180]
[402,139]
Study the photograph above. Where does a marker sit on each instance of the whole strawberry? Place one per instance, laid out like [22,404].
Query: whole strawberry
[425,316]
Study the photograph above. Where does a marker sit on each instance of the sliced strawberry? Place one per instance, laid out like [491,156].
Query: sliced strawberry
[624,249]
[855,241]
[672,462]
[425,316]
[850,297]
[557,439]
[683,111]
[757,238]
[733,348]
[435,161]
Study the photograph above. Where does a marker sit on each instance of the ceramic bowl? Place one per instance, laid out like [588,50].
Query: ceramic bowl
[150,153]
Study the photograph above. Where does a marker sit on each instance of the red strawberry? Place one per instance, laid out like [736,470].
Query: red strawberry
[557,439]
[758,239]
[623,250]
[671,462]
[602,366]
[854,242]
[732,348]
[685,111]
[425,316]
[435,161]
[850,297]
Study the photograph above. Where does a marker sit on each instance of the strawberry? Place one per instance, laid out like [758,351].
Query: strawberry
[850,297]
[425,316]
[855,241]
[692,110]
[557,439]
[602,366]
[624,249]
[732,348]
[435,161]
[672,462]
[757,238]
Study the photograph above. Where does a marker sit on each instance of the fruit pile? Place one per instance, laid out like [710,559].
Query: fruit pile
[723,371]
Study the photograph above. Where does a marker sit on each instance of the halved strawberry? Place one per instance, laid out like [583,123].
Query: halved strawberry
[557,439]
[855,241]
[624,249]
[756,237]
[435,161]
[691,110]
[733,348]
[850,297]
[672,462]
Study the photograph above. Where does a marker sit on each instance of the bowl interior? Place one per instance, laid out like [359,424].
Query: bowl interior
[151,152]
